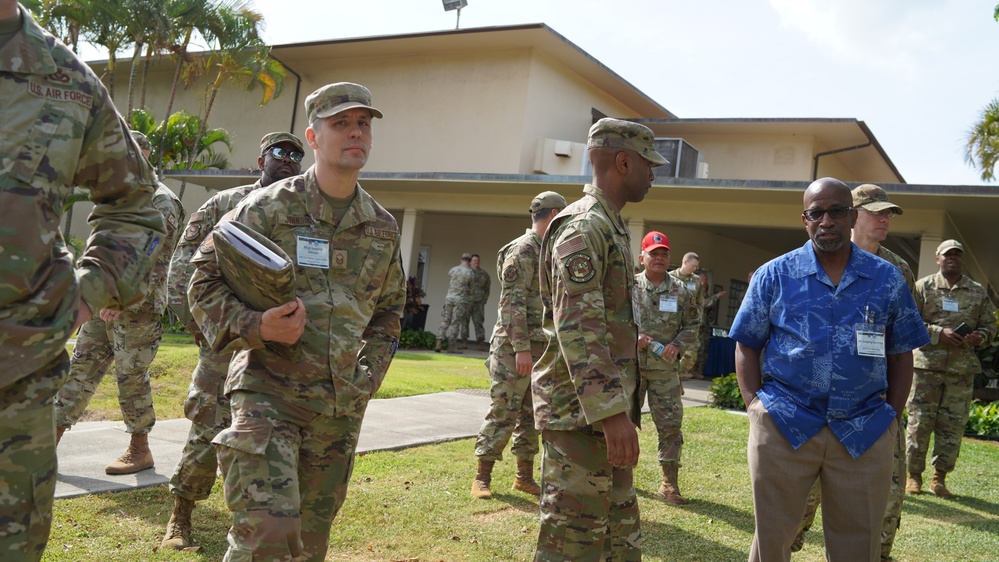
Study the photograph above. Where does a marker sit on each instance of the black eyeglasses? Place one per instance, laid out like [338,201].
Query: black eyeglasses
[281,154]
[836,213]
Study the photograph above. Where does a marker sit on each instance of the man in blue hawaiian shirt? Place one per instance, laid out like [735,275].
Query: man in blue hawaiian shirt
[824,360]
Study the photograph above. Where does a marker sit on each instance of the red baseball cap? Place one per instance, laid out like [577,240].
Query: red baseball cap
[654,240]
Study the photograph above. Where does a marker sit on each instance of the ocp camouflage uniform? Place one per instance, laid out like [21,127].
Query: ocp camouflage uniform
[297,410]
[704,333]
[667,314]
[518,328]
[206,405]
[691,356]
[457,304]
[60,130]
[896,493]
[942,381]
[588,372]
[477,307]
[131,341]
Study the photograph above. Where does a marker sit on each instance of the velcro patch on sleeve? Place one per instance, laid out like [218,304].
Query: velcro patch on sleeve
[510,274]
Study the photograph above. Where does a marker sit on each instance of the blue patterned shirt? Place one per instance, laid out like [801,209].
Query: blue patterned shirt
[807,329]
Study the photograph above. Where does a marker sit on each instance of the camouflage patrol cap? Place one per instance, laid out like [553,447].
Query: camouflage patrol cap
[547,200]
[617,133]
[873,198]
[466,257]
[141,140]
[270,139]
[949,245]
[334,98]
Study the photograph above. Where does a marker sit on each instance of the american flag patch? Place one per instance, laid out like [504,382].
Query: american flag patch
[571,246]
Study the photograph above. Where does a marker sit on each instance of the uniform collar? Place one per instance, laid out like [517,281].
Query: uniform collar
[361,210]
[609,210]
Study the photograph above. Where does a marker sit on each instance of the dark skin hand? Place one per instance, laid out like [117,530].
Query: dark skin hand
[954,339]
[622,441]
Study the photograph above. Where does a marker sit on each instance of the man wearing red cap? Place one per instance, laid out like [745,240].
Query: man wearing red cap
[667,326]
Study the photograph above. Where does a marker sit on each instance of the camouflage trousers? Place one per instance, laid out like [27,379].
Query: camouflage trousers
[663,390]
[28,461]
[893,512]
[286,471]
[704,337]
[938,403]
[511,412]
[477,316]
[131,342]
[208,409]
[453,317]
[589,509]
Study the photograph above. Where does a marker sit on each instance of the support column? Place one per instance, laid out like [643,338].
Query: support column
[637,228]
[409,244]
[927,255]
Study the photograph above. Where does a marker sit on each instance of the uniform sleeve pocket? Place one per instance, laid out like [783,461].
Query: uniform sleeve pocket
[249,435]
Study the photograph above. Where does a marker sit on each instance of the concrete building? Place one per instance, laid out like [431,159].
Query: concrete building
[477,121]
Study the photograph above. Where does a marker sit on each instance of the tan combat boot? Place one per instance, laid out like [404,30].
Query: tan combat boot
[437,346]
[137,457]
[669,491]
[914,485]
[938,487]
[178,531]
[461,344]
[483,346]
[525,479]
[60,429]
[484,476]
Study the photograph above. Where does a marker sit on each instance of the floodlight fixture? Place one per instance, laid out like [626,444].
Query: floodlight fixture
[450,5]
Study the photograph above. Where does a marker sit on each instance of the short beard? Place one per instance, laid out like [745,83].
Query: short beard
[828,245]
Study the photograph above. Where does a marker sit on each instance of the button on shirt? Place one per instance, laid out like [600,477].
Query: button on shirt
[807,327]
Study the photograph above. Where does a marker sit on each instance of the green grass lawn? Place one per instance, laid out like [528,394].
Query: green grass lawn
[411,373]
[415,505]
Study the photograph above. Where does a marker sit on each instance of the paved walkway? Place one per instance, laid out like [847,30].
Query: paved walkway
[389,424]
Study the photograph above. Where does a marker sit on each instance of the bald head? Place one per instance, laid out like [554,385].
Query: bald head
[828,188]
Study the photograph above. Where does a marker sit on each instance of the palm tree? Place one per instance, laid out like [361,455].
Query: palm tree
[239,56]
[146,23]
[982,147]
[187,16]
[107,28]
[178,136]
[63,18]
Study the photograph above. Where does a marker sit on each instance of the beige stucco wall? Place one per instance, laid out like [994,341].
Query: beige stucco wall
[770,157]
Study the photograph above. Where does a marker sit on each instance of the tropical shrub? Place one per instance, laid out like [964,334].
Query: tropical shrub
[725,393]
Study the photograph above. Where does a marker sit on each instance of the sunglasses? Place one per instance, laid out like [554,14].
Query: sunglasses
[281,154]
[836,213]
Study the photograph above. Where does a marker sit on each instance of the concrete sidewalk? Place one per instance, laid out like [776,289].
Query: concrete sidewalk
[389,424]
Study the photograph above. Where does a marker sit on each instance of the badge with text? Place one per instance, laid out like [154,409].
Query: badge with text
[580,268]
[668,303]
[691,286]
[313,252]
[950,305]
[870,340]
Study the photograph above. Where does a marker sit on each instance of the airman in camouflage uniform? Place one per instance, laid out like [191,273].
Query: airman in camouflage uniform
[130,339]
[480,294]
[457,306]
[585,386]
[687,276]
[206,405]
[711,305]
[874,213]
[944,370]
[668,316]
[60,130]
[304,371]
[516,344]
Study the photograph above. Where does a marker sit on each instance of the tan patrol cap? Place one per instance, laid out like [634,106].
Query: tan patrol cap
[334,98]
[873,198]
[547,200]
[141,140]
[466,256]
[270,139]
[949,245]
[617,133]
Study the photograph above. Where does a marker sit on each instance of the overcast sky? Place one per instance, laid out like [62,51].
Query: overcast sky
[917,72]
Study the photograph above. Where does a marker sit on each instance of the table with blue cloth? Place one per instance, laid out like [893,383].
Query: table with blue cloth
[721,357]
